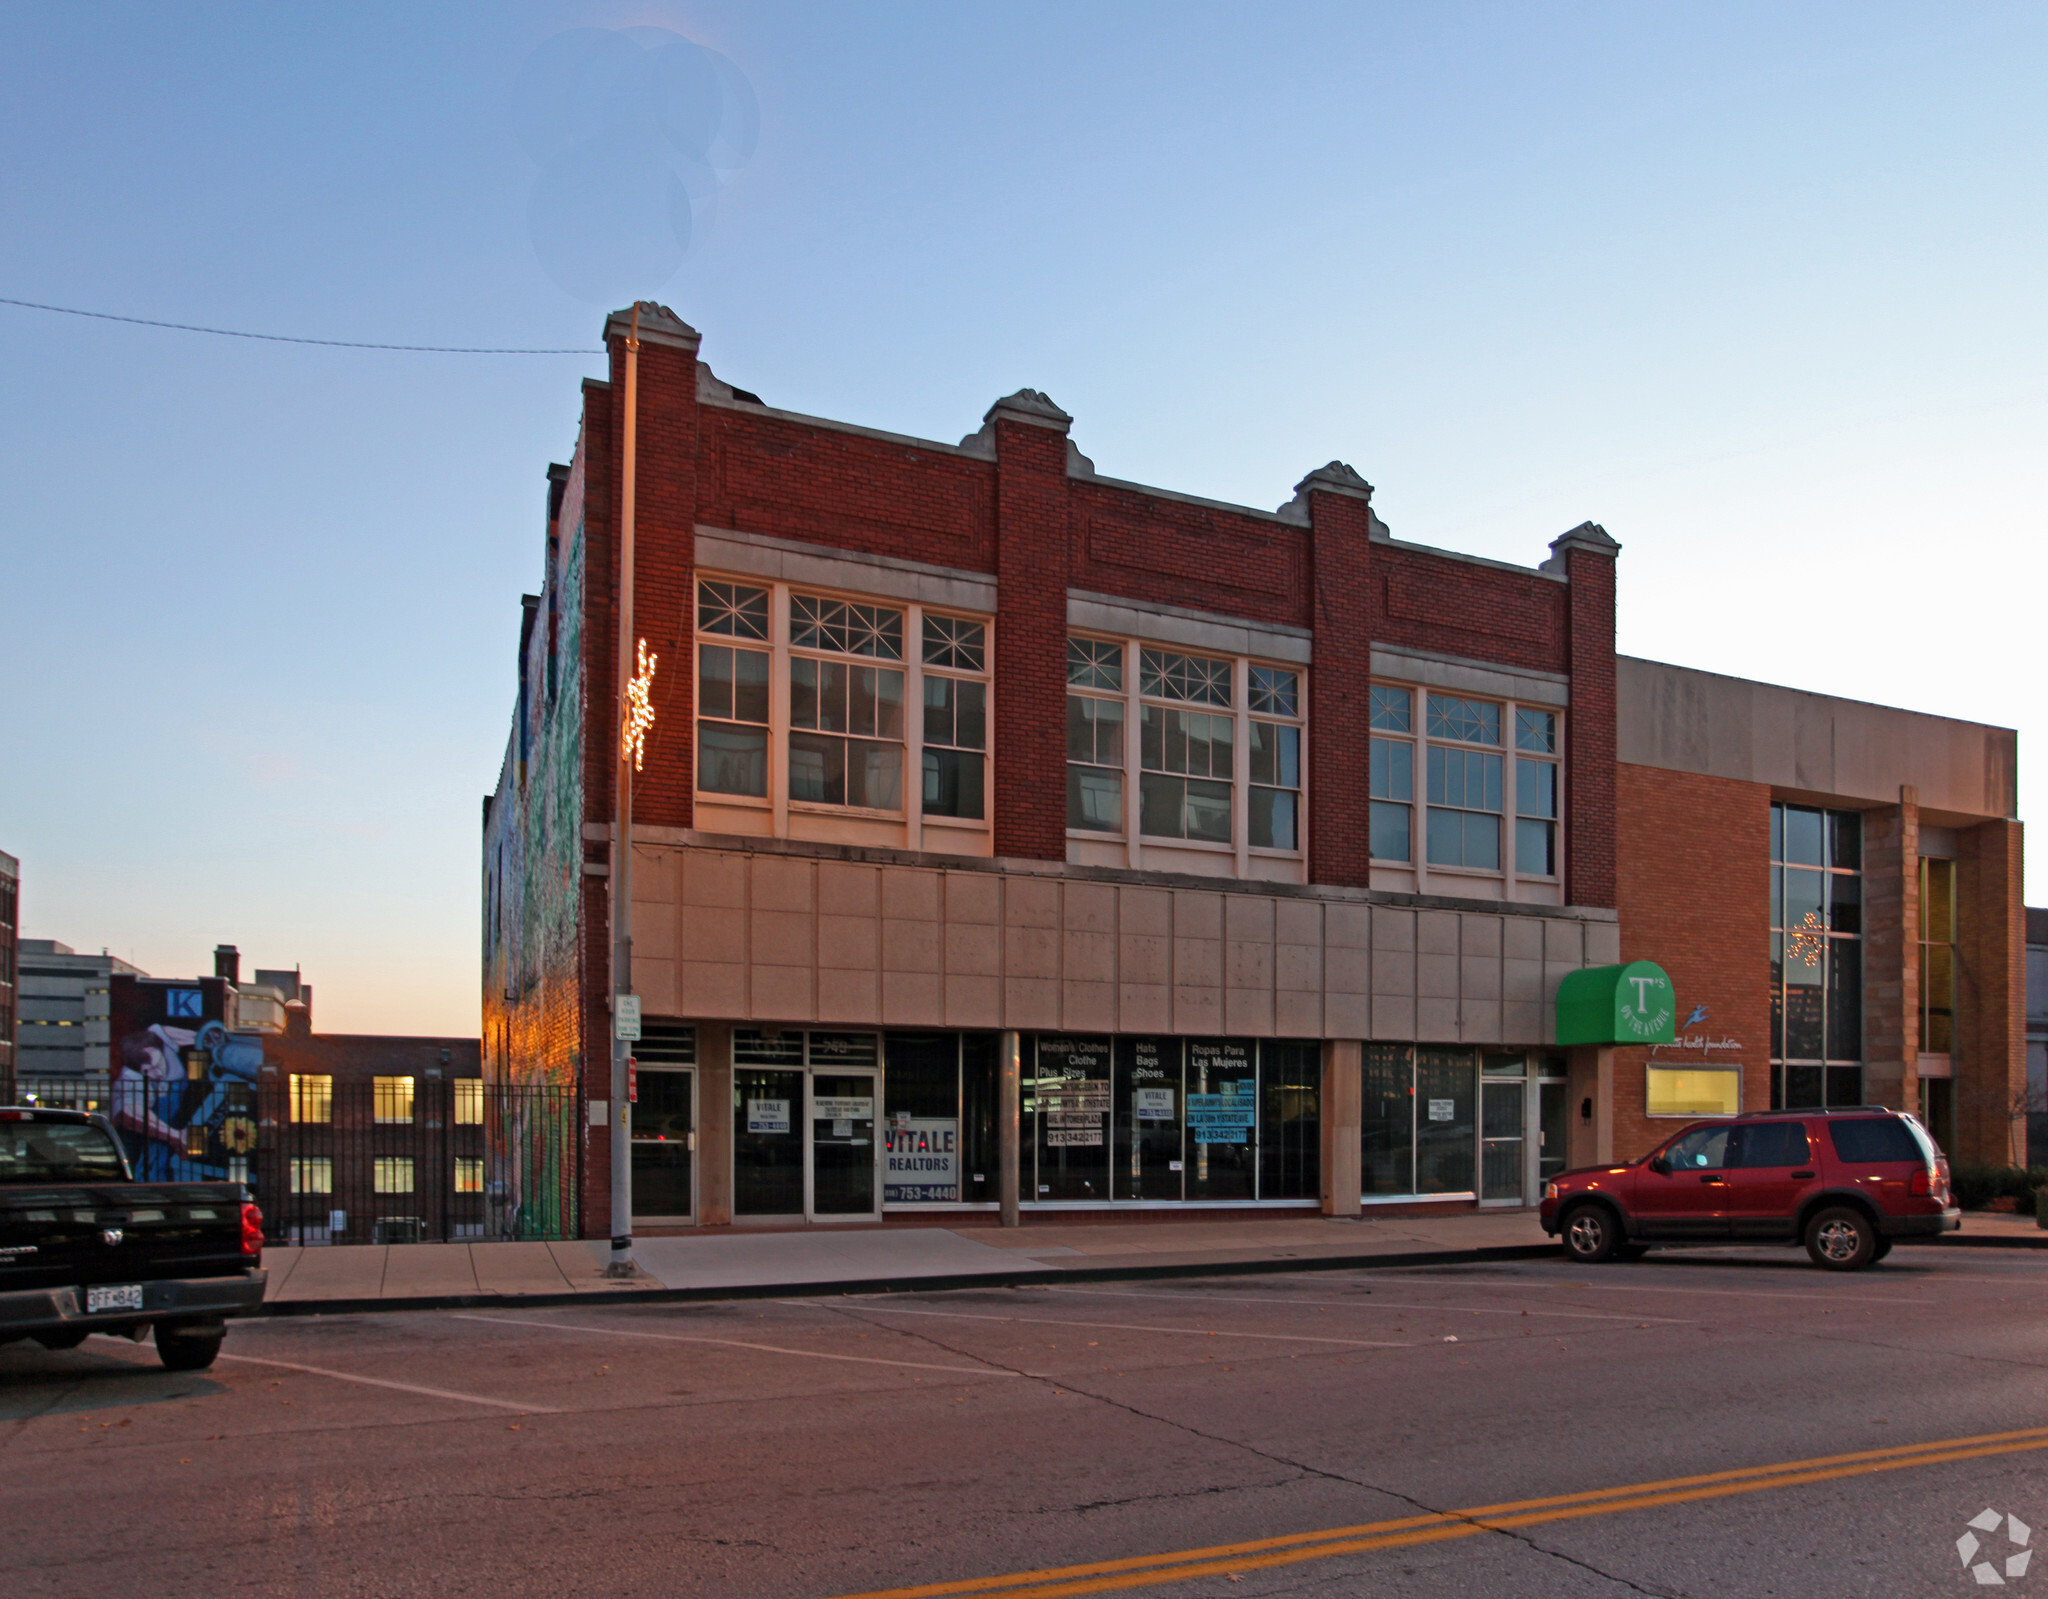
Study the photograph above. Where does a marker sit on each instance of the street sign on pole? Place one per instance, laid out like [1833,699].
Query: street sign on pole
[626,1018]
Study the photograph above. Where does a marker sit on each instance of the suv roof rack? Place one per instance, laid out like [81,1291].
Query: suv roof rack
[1816,1110]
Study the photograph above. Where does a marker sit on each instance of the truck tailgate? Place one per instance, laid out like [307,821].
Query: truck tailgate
[119,1232]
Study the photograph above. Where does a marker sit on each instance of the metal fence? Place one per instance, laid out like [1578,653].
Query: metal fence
[395,1160]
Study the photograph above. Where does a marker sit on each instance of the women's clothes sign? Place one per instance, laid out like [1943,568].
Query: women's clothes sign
[1227,1117]
[767,1115]
[920,1159]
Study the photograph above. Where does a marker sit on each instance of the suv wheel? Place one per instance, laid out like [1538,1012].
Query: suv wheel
[189,1345]
[1841,1239]
[1592,1235]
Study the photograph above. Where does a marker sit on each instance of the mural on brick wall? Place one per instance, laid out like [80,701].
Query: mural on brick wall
[183,1088]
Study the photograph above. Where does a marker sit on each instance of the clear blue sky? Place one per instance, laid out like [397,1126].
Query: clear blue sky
[1757,287]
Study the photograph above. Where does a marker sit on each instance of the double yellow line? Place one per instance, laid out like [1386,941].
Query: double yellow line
[1185,1565]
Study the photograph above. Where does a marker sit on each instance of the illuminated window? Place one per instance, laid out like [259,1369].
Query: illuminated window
[1816,957]
[469,1174]
[1937,955]
[392,1099]
[312,1174]
[312,1098]
[469,1101]
[391,1174]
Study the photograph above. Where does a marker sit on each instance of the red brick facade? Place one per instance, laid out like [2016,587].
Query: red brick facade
[1694,868]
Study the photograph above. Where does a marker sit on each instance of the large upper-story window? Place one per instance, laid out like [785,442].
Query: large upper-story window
[1484,809]
[1217,761]
[1816,957]
[826,703]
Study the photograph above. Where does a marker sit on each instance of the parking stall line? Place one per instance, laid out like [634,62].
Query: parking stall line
[1374,1304]
[1631,1286]
[400,1387]
[735,1343]
[1121,1326]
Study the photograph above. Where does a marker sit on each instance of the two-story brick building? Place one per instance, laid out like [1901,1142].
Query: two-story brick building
[1009,836]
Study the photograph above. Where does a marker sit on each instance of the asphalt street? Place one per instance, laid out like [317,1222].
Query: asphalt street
[1735,1423]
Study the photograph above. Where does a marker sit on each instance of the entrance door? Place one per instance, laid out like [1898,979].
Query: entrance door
[842,1123]
[1503,1111]
[767,1142]
[664,1144]
[1553,1128]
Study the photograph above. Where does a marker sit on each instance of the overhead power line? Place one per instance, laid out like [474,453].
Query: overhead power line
[287,338]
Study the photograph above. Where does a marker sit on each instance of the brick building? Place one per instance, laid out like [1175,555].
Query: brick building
[10,981]
[1010,836]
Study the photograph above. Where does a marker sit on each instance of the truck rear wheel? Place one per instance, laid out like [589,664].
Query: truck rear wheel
[1841,1238]
[1592,1234]
[188,1345]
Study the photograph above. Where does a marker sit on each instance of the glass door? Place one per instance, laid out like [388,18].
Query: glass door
[664,1127]
[767,1142]
[842,1124]
[1553,1128]
[1503,1110]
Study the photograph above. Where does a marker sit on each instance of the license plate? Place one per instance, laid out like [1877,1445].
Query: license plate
[119,1296]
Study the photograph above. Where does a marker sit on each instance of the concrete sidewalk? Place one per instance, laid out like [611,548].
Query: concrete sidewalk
[745,1262]
[750,1261]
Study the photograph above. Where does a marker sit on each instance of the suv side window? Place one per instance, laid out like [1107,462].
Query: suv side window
[1770,1144]
[1702,1149]
[1875,1140]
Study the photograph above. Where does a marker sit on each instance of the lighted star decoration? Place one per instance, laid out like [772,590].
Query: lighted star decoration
[639,707]
[1808,941]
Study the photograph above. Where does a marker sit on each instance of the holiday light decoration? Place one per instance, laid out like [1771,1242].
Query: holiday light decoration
[639,707]
[1808,941]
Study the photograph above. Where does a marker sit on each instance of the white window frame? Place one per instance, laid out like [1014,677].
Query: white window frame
[780,651]
[1133,839]
[1510,872]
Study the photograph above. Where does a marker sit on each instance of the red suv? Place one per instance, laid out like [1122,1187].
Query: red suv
[1846,1183]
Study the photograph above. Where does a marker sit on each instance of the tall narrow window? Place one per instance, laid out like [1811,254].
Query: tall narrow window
[1275,800]
[391,1099]
[469,1101]
[1464,784]
[1938,955]
[1095,735]
[1535,793]
[1816,957]
[732,691]
[845,717]
[955,716]
[1392,778]
[1188,756]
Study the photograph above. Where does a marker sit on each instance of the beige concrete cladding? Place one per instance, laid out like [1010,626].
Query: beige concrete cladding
[1687,721]
[753,936]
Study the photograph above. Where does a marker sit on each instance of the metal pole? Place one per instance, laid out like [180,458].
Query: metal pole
[1009,1095]
[621,1264]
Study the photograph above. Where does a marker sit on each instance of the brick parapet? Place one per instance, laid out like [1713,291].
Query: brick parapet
[1339,710]
[1031,640]
[1590,740]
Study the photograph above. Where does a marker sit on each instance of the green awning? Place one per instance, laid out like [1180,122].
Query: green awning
[1629,1004]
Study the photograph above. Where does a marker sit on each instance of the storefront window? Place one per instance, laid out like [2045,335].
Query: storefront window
[1217,1119]
[1816,957]
[1419,1130]
[938,1137]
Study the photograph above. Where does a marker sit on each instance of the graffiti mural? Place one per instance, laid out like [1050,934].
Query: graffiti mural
[182,1088]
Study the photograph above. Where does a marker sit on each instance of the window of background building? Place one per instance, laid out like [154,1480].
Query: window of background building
[1275,798]
[1937,956]
[1213,763]
[391,1174]
[1393,774]
[1816,957]
[312,1174]
[845,717]
[955,716]
[1464,784]
[853,669]
[469,1174]
[1187,755]
[732,690]
[391,1099]
[1095,735]
[469,1101]
[312,1098]
[1535,793]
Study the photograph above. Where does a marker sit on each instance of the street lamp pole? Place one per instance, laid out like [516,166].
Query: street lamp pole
[621,1263]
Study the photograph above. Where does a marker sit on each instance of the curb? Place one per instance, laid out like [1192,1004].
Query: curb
[1036,1277]
[1992,1241]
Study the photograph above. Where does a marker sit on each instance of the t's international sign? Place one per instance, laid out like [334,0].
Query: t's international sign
[1628,1004]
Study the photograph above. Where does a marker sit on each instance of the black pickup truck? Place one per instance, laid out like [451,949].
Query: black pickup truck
[84,1248]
